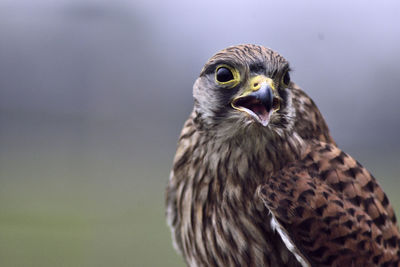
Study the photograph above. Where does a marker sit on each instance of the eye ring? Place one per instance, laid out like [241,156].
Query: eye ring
[226,75]
[286,79]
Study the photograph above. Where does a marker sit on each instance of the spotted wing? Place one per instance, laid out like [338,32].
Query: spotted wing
[332,211]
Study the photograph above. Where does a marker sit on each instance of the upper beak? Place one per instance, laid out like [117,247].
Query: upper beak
[258,100]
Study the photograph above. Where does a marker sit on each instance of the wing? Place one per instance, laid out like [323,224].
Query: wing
[175,185]
[332,211]
[310,125]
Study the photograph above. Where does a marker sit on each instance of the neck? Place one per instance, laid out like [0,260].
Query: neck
[254,153]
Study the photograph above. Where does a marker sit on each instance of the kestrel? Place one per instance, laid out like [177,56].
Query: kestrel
[257,179]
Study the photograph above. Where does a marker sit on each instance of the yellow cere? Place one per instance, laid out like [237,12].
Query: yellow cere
[236,76]
[256,81]
[255,84]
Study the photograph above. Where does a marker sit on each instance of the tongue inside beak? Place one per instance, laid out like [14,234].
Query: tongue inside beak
[253,107]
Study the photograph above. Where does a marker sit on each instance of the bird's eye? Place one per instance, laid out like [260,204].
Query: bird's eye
[224,75]
[227,76]
[286,78]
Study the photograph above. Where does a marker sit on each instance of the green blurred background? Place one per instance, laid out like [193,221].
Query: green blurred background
[93,95]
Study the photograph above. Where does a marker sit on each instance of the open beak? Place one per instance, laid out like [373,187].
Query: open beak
[258,100]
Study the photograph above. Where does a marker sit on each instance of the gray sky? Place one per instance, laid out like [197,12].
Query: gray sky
[122,59]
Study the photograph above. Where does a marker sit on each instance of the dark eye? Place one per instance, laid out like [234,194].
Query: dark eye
[286,78]
[224,75]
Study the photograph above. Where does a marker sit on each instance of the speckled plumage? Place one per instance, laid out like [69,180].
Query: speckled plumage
[243,194]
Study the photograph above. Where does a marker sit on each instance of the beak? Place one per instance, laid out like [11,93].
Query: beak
[258,100]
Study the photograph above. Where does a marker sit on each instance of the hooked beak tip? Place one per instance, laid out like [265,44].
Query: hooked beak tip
[258,104]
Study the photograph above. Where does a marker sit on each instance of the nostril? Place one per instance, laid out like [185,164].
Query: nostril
[255,85]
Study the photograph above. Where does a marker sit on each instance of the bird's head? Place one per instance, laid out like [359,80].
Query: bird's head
[242,88]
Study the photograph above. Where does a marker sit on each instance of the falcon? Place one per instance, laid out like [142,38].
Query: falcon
[257,179]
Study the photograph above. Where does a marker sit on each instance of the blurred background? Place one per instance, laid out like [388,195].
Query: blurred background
[93,95]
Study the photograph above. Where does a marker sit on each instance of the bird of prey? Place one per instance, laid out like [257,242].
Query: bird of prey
[257,179]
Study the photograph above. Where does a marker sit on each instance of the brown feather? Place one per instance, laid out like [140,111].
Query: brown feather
[241,194]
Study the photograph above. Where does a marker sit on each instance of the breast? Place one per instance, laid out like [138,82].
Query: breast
[216,227]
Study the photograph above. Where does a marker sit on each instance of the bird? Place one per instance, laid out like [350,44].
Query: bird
[258,180]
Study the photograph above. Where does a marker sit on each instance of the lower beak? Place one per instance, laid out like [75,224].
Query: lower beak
[259,103]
